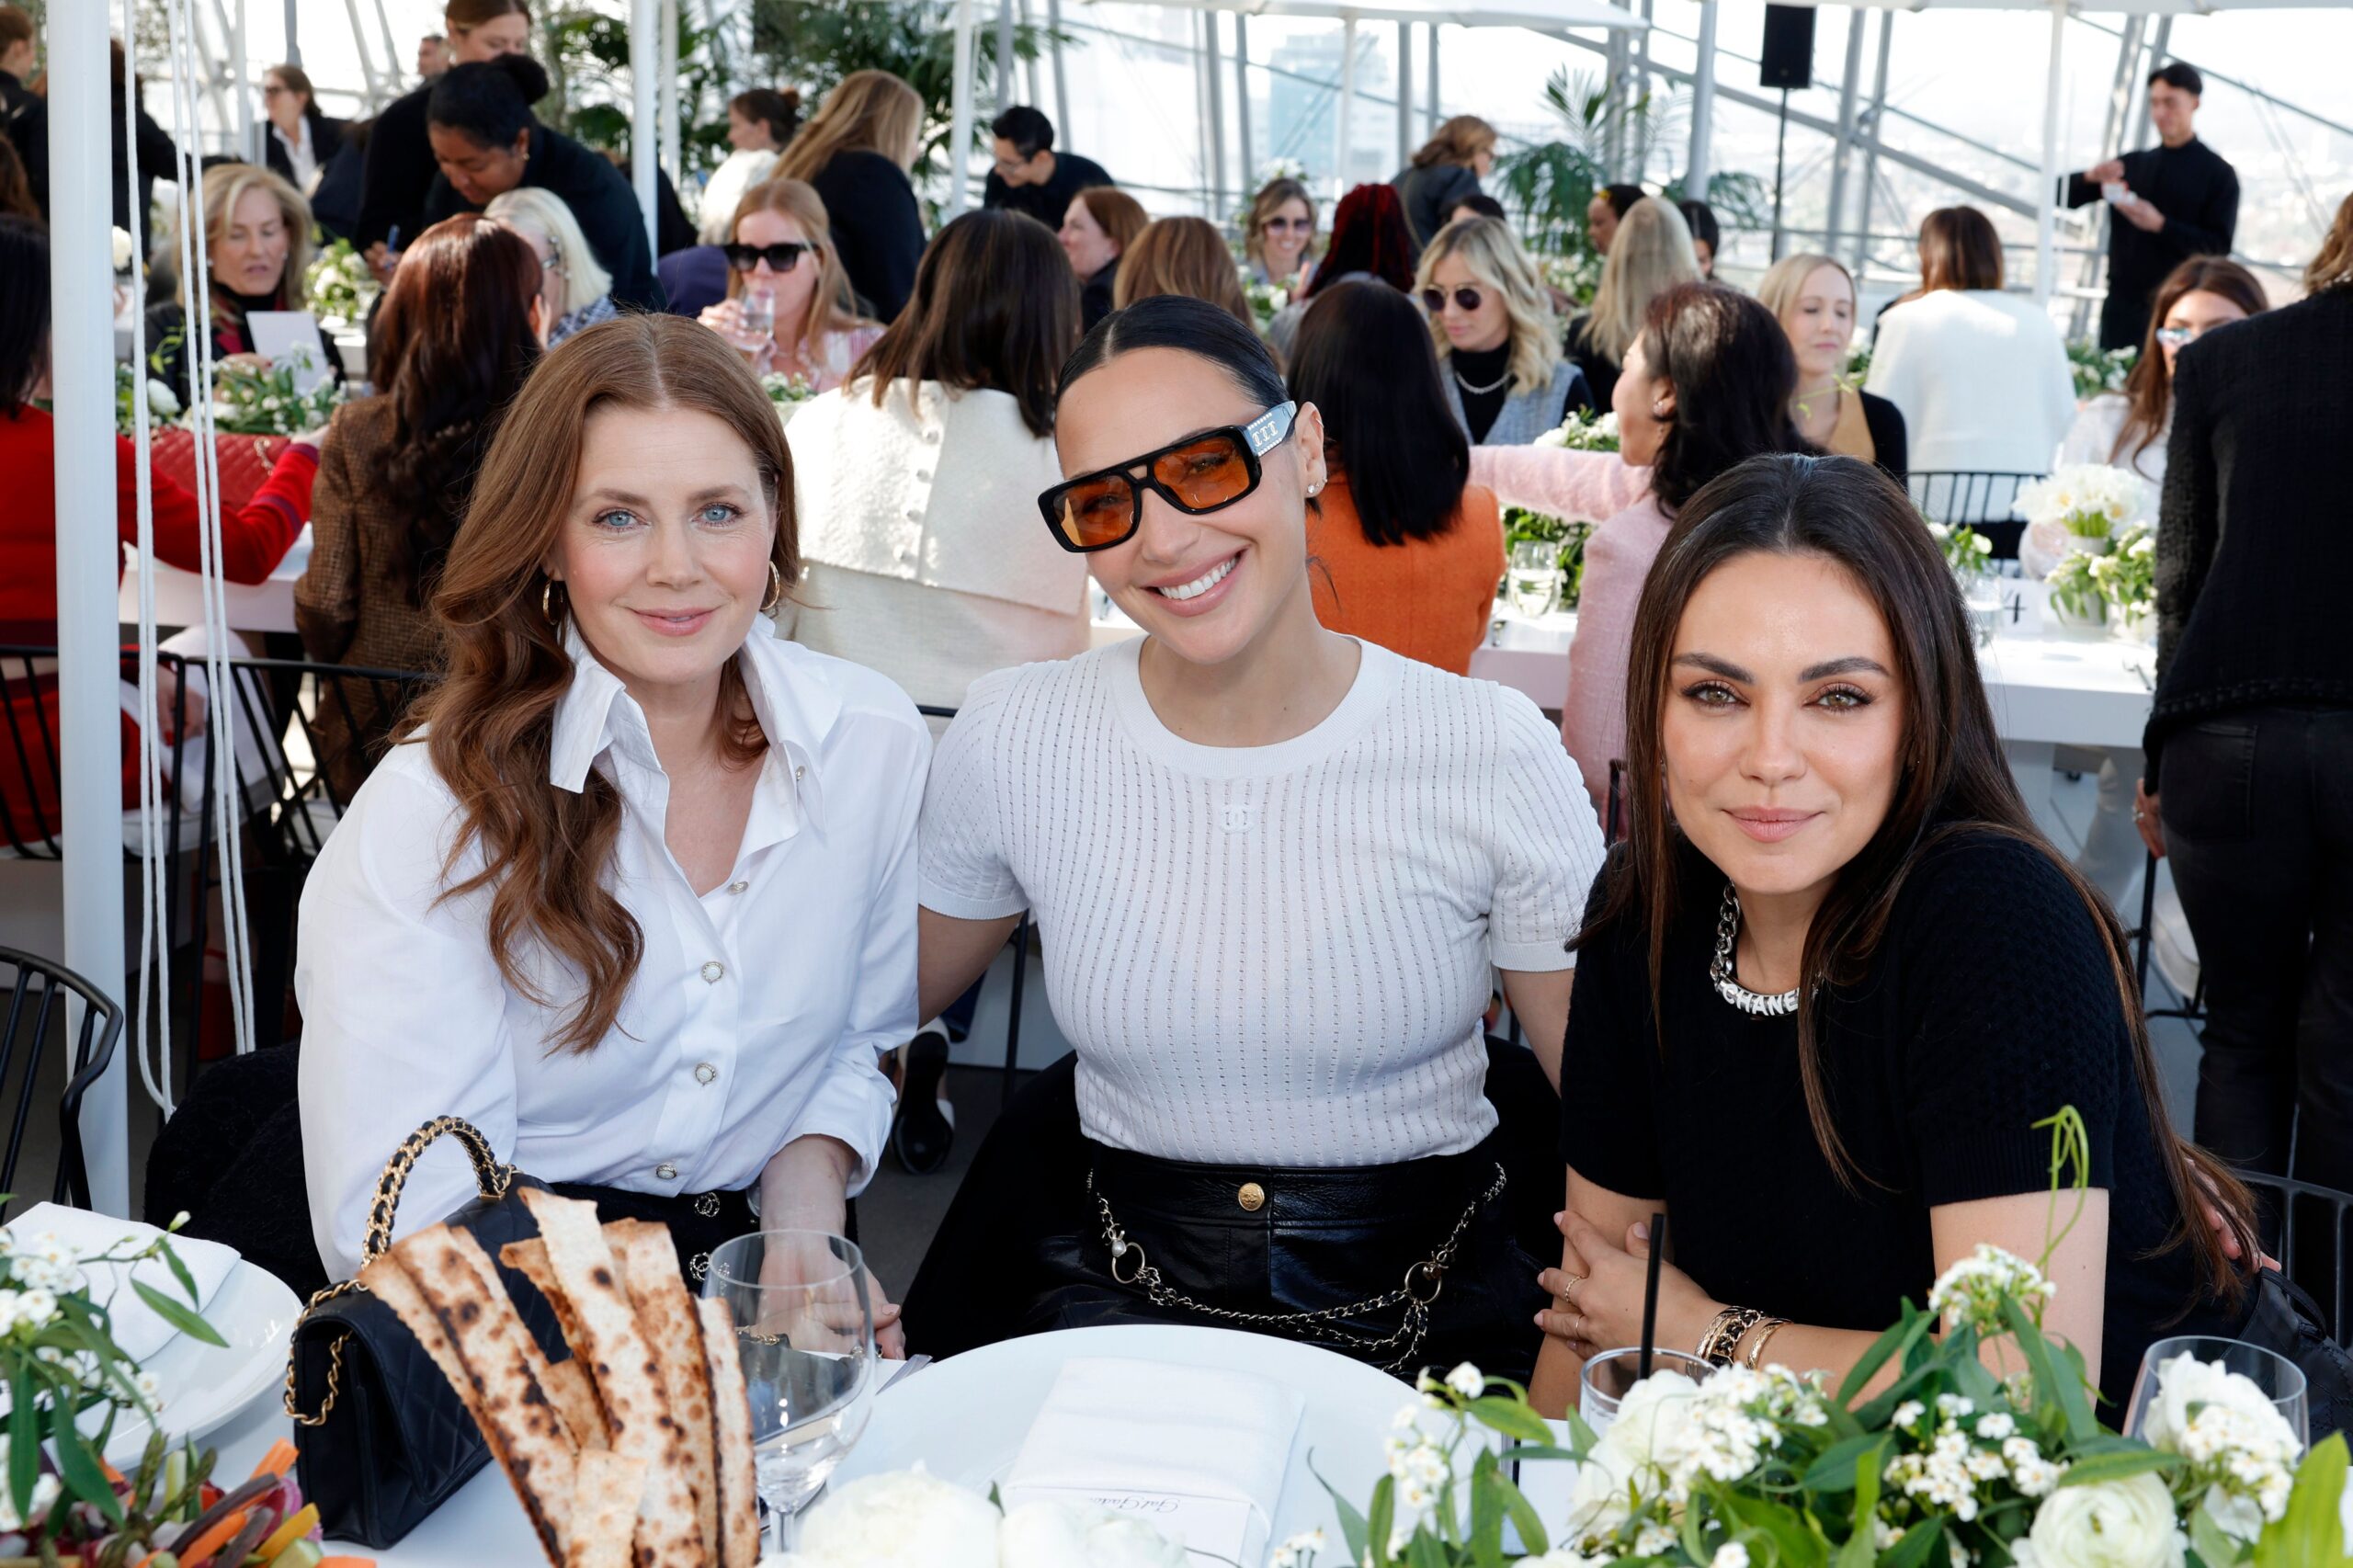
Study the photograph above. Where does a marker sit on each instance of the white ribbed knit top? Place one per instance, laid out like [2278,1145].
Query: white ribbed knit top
[1267,954]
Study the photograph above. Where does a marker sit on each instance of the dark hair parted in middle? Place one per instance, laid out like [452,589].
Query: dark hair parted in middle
[1733,374]
[1363,358]
[490,100]
[995,306]
[1951,778]
[1196,326]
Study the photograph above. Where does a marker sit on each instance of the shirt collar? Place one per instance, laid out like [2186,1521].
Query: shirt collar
[796,712]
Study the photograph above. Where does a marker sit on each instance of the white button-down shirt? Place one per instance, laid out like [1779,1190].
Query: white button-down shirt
[757,1011]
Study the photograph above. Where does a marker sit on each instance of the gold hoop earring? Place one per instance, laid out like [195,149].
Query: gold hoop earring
[547,603]
[776,588]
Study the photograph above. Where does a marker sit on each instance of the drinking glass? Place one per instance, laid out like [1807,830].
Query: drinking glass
[804,1329]
[759,307]
[2280,1380]
[1534,577]
[1603,1385]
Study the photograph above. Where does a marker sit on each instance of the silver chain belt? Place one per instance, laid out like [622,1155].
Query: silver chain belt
[1418,1293]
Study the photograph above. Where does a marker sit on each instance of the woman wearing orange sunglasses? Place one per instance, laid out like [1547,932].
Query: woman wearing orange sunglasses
[1273,868]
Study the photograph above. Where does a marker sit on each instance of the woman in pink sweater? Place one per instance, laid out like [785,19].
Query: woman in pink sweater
[1707,384]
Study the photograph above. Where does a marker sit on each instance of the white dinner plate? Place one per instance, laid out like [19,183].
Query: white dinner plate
[964,1418]
[205,1385]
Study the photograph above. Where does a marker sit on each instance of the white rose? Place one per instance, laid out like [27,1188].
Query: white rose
[1653,1425]
[2185,1384]
[162,400]
[1068,1535]
[905,1519]
[2110,1524]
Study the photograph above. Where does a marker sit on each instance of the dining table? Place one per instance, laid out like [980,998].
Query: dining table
[267,606]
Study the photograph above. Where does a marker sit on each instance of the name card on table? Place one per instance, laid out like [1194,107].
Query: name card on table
[1212,1530]
[290,339]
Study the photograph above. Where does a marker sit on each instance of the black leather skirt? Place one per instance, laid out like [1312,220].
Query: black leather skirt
[1401,1267]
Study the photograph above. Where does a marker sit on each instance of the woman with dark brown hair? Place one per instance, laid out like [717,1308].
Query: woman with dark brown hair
[400,166]
[460,331]
[556,909]
[1445,169]
[1182,255]
[1778,1039]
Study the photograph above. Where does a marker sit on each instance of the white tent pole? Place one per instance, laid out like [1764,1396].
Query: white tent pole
[644,142]
[2137,116]
[1033,90]
[1870,146]
[293,35]
[1404,93]
[1213,72]
[1347,107]
[1431,115]
[1005,59]
[1242,99]
[392,49]
[376,92]
[89,676]
[239,55]
[673,134]
[1849,86]
[1697,167]
[2046,211]
[1062,79]
[960,117]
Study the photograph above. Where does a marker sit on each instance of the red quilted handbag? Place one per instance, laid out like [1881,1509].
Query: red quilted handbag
[244,462]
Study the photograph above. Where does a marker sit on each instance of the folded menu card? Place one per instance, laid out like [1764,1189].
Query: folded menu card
[138,1328]
[1198,1452]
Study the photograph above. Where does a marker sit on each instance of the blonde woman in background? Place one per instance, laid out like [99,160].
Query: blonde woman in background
[1447,167]
[574,288]
[855,152]
[1182,255]
[1498,343]
[1282,232]
[779,241]
[1813,296]
[1650,252]
[258,241]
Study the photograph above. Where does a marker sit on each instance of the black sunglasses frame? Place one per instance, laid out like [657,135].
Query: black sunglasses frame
[743,258]
[1473,303]
[1279,420]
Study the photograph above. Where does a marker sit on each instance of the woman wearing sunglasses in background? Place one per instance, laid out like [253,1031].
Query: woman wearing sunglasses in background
[781,255]
[1282,232]
[1498,342]
[1271,866]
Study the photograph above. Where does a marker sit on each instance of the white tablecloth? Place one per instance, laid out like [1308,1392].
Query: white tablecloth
[261,607]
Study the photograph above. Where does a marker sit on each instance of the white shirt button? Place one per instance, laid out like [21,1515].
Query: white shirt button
[737,887]
[666,1171]
[705,1074]
[799,771]
[714,971]
[923,476]
[914,514]
[932,436]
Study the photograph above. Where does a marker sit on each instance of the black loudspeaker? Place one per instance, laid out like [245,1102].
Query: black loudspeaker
[1789,48]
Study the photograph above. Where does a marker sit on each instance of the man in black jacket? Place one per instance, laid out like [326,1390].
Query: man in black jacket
[2180,200]
[1030,175]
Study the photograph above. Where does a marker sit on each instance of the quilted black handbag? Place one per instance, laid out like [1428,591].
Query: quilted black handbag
[2286,1319]
[383,1439]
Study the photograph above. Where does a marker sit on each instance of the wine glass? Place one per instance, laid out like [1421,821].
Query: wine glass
[759,307]
[2280,1380]
[804,1329]
[1606,1379]
[1534,577]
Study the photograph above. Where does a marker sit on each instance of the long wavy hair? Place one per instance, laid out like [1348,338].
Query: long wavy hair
[995,306]
[547,853]
[832,306]
[457,330]
[1733,375]
[1498,259]
[1651,254]
[1181,256]
[870,111]
[2148,391]
[1951,777]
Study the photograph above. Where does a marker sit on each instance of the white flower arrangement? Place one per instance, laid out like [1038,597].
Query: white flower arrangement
[915,1519]
[1274,169]
[162,403]
[266,402]
[783,389]
[1577,275]
[1268,301]
[339,283]
[1582,432]
[1973,1290]
[2087,501]
[125,251]
[1966,551]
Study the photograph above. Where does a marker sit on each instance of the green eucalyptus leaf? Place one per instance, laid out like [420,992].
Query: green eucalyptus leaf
[2057,1378]
[2214,1549]
[2310,1535]
[179,1316]
[2119,1466]
[24,1439]
[1835,1470]
[1382,1519]
[1915,1548]
[1525,1520]
[1861,1550]
[84,1473]
[1583,1439]
[1511,1418]
[180,1273]
[1352,1525]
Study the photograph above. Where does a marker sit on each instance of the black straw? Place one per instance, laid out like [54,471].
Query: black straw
[1649,1291]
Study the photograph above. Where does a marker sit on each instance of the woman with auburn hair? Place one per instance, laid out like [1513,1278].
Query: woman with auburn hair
[1980,376]
[779,243]
[1182,255]
[1499,346]
[1098,226]
[1445,169]
[459,330]
[1370,240]
[635,797]
[1778,1041]
[1650,253]
[257,243]
[856,151]
[1707,383]
[1278,242]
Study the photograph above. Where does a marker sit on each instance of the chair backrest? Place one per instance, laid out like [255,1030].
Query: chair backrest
[1980,498]
[2306,1228]
[35,1020]
[30,742]
[314,733]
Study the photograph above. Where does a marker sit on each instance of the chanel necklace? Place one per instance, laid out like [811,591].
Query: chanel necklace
[1754,1003]
[1482,392]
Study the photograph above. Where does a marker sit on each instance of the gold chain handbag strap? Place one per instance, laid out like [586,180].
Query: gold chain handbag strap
[490,1178]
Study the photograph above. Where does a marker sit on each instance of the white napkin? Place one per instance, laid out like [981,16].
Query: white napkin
[1198,1452]
[138,1328]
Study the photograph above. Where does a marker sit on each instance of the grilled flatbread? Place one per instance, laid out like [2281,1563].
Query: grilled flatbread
[731,1403]
[570,1391]
[628,1375]
[666,1317]
[521,1426]
[604,1510]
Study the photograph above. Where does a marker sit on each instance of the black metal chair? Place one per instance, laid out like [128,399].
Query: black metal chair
[1979,497]
[1020,944]
[2306,1228]
[2192,1007]
[40,994]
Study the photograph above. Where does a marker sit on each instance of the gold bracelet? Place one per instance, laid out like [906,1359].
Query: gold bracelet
[1724,1335]
[1767,1329]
